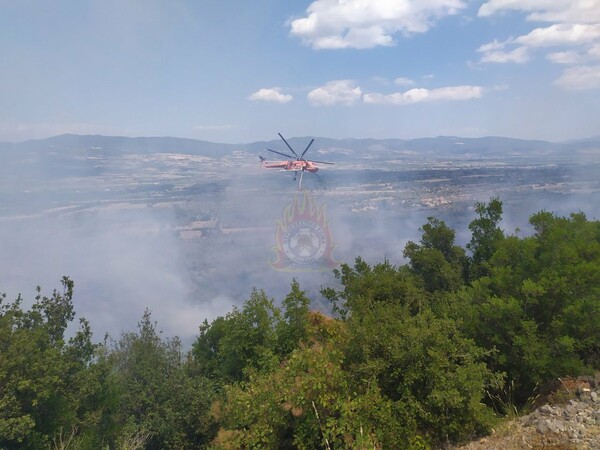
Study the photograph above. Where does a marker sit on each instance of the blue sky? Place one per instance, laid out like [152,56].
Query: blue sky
[240,71]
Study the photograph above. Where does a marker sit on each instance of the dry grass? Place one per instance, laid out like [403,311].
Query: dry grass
[513,436]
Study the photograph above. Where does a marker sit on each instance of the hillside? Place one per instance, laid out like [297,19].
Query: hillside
[569,419]
[441,146]
[434,352]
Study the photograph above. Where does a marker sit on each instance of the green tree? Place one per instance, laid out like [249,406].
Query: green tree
[293,328]
[158,396]
[517,348]
[46,383]
[486,235]
[363,286]
[536,307]
[308,402]
[245,338]
[432,376]
[436,259]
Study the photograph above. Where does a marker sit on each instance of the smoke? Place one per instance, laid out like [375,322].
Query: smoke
[189,237]
[121,262]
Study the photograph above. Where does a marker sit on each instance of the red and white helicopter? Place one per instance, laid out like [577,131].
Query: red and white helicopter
[293,165]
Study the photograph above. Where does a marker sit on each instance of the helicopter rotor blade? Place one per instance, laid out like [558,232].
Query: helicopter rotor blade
[279,153]
[306,149]
[320,162]
[288,145]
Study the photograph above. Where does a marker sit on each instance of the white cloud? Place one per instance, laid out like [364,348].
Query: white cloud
[337,92]
[574,23]
[419,95]
[494,54]
[334,24]
[491,47]
[552,36]
[560,34]
[580,78]
[270,95]
[572,11]
[594,51]
[401,81]
[568,57]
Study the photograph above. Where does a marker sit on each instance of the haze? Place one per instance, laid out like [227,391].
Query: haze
[373,82]
[188,228]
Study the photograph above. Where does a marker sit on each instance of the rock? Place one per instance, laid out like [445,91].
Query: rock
[596,380]
[571,410]
[550,425]
[542,427]
[527,420]
[578,420]
[583,392]
[556,426]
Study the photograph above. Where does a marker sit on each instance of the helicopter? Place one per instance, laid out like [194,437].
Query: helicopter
[300,164]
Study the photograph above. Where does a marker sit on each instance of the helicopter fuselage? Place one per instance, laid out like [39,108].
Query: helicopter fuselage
[294,166]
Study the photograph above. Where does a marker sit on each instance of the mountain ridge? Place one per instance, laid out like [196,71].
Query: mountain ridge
[82,145]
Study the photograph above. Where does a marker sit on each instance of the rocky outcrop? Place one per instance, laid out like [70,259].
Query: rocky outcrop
[574,424]
[578,420]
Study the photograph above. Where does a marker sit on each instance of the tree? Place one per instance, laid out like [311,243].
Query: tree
[536,307]
[486,235]
[241,340]
[364,286]
[439,263]
[431,376]
[516,347]
[308,402]
[46,383]
[293,328]
[159,397]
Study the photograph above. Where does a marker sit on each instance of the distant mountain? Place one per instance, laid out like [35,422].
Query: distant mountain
[441,146]
[72,143]
[68,146]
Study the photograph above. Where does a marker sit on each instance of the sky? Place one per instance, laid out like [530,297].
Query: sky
[238,71]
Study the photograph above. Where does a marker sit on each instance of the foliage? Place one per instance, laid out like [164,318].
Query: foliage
[536,306]
[432,374]
[440,264]
[504,401]
[486,235]
[254,337]
[293,328]
[415,356]
[45,384]
[243,339]
[158,399]
[308,402]
[364,286]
